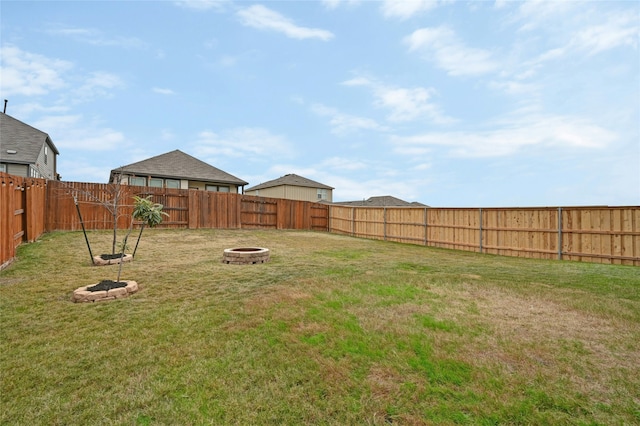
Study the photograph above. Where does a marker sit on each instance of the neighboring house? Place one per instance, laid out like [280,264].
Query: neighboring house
[26,151]
[176,169]
[293,187]
[381,201]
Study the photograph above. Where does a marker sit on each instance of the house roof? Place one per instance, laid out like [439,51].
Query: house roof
[291,180]
[178,165]
[25,140]
[381,201]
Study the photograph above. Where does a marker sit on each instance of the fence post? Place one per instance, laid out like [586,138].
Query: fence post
[384,223]
[426,238]
[353,221]
[480,241]
[559,233]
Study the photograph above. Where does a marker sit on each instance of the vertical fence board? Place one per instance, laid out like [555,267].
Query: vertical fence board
[7,195]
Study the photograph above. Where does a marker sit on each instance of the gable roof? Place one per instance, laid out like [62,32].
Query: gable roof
[381,201]
[25,140]
[291,180]
[178,165]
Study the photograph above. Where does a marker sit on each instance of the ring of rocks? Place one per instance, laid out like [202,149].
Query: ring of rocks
[83,295]
[245,255]
[99,261]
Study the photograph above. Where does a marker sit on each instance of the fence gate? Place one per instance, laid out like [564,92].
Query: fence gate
[320,217]
[258,213]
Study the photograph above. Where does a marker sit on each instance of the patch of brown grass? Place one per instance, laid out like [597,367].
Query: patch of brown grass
[537,336]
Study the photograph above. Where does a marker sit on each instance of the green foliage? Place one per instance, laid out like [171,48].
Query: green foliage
[148,212]
[123,246]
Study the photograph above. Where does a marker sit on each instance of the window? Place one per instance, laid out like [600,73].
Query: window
[137,181]
[322,194]
[218,188]
[156,182]
[3,168]
[172,183]
[33,172]
[46,154]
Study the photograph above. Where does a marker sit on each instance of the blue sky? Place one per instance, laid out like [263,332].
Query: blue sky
[449,103]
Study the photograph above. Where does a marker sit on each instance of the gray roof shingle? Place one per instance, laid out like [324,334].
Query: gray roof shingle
[292,180]
[381,201]
[25,140]
[178,165]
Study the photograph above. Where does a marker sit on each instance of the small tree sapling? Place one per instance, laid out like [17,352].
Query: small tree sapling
[146,211]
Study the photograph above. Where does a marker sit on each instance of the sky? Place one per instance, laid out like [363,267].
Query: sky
[448,103]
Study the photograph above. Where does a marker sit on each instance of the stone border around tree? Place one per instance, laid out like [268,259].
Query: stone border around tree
[83,295]
[98,261]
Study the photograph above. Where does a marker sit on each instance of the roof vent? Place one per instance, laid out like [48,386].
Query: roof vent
[12,151]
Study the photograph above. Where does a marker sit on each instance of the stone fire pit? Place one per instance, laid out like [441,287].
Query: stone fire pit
[245,255]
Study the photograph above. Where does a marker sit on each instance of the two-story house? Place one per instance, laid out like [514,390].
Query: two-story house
[293,187]
[26,151]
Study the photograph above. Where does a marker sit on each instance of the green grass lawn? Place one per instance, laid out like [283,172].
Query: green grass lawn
[333,330]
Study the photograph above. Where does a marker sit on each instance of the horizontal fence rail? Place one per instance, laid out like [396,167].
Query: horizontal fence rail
[591,234]
[30,207]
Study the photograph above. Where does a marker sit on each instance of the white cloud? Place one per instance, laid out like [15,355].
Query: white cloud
[30,74]
[228,61]
[540,13]
[98,84]
[344,174]
[618,30]
[443,46]
[162,91]
[379,183]
[574,27]
[83,170]
[77,133]
[404,9]
[406,104]
[341,164]
[25,109]
[499,4]
[509,137]
[260,17]
[515,87]
[202,4]
[245,142]
[97,38]
[333,4]
[343,124]
[422,166]
[167,135]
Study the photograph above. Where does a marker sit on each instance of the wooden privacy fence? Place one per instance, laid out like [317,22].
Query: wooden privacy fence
[190,209]
[22,206]
[592,234]
[29,207]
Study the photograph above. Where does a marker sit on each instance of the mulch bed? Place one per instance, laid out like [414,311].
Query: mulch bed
[106,285]
[111,256]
